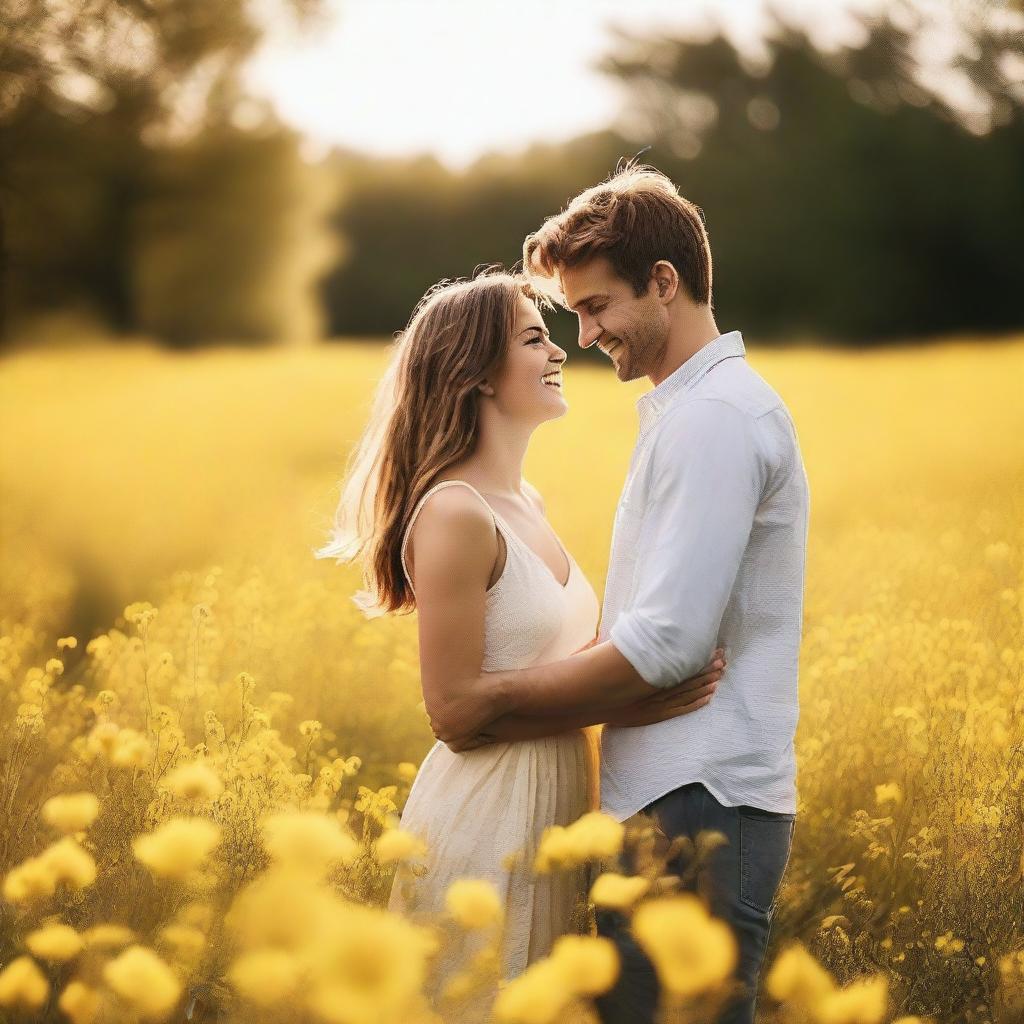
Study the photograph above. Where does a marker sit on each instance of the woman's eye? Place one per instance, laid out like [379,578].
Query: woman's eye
[532,340]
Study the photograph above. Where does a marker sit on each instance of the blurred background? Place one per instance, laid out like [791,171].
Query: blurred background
[284,171]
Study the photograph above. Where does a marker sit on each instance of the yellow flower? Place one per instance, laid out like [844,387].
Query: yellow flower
[23,984]
[590,965]
[103,738]
[308,840]
[55,942]
[537,996]
[367,965]
[592,836]
[80,1003]
[618,891]
[131,750]
[108,936]
[862,1002]
[69,863]
[396,845]
[798,978]
[188,942]
[67,641]
[195,781]
[71,812]
[30,880]
[142,979]
[948,945]
[311,727]
[406,771]
[888,792]
[692,951]
[376,805]
[473,902]
[265,976]
[177,847]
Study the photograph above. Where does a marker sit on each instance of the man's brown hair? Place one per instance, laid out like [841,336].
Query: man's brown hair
[634,219]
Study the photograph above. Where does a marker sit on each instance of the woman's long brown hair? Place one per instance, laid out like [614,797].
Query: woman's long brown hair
[423,420]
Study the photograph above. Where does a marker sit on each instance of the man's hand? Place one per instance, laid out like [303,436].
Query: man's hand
[685,697]
[462,716]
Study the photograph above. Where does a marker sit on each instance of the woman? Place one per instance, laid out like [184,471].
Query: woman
[436,502]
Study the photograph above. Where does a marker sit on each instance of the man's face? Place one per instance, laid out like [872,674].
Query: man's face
[632,331]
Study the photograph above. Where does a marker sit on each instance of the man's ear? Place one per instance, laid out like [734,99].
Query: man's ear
[665,280]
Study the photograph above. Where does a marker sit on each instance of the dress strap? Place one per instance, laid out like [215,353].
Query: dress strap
[416,512]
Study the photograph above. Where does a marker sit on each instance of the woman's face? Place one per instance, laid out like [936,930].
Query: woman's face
[530,384]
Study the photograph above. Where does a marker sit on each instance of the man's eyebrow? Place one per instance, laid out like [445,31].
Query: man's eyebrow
[589,298]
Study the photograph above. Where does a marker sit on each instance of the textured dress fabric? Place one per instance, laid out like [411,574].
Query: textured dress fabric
[482,812]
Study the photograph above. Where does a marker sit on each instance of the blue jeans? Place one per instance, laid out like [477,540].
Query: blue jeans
[740,880]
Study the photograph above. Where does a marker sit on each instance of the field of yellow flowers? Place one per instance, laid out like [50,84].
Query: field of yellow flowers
[204,744]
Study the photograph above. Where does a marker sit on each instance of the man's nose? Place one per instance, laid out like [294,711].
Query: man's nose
[589,333]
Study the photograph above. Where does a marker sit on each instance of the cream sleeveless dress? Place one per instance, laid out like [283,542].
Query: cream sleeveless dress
[481,812]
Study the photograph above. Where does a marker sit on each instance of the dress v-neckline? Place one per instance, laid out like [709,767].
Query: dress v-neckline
[546,567]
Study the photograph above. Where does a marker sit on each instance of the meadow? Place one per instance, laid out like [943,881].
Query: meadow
[233,739]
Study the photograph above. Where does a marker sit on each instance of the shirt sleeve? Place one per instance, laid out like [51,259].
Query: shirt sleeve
[709,473]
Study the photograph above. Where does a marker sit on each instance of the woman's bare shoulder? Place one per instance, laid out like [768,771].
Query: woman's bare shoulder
[454,520]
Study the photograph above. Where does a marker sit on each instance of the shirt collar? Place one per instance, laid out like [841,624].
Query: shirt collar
[653,403]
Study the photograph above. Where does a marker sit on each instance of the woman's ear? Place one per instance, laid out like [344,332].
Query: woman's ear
[485,388]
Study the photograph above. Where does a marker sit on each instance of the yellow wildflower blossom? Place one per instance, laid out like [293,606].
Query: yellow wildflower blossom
[796,977]
[618,891]
[691,951]
[80,1003]
[23,984]
[537,996]
[367,965]
[265,976]
[396,844]
[888,792]
[861,1002]
[71,812]
[30,880]
[69,863]
[195,781]
[589,965]
[108,936]
[308,840]
[177,847]
[593,836]
[55,942]
[142,979]
[473,902]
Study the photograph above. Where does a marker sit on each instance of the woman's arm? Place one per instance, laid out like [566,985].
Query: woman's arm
[451,554]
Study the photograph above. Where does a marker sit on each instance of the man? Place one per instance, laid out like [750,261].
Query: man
[708,550]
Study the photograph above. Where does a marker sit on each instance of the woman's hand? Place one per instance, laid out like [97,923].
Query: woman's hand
[681,699]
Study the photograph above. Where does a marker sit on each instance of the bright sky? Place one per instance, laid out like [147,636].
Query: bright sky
[461,77]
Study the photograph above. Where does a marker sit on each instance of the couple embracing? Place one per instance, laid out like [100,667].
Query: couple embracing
[692,672]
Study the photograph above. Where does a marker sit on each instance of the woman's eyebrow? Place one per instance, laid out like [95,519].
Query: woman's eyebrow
[534,327]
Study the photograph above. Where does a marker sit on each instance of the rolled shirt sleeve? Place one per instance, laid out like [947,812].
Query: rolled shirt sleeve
[709,475]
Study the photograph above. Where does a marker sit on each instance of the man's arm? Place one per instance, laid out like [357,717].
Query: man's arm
[709,475]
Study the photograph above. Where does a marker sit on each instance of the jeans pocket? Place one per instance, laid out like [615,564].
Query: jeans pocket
[766,838]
